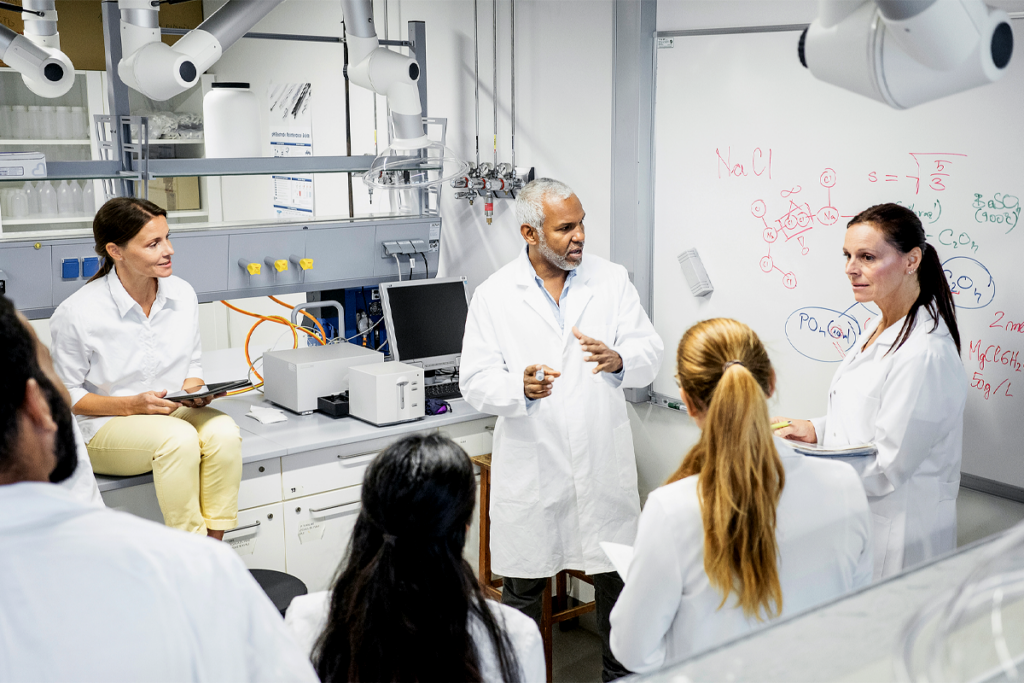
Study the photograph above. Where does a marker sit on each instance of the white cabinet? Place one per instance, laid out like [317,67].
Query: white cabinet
[139,500]
[259,537]
[317,532]
[304,474]
[261,484]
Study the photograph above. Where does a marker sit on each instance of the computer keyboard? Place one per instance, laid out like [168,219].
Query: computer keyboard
[443,390]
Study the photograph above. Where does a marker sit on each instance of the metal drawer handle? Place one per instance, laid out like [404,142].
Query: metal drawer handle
[331,507]
[242,528]
[358,455]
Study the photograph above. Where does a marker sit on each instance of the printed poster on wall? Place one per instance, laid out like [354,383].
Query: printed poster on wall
[291,135]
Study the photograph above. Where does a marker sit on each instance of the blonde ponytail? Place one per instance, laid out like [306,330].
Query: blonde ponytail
[740,474]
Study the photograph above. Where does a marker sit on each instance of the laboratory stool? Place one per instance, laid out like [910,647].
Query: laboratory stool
[555,609]
[279,587]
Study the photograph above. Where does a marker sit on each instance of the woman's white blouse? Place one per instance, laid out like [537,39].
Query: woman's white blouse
[307,618]
[102,342]
[910,403]
[668,609]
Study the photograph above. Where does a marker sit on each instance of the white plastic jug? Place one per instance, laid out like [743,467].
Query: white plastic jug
[231,122]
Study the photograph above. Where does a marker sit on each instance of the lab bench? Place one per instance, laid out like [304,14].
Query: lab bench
[299,496]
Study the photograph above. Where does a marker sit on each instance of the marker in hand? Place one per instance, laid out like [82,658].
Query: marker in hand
[780,425]
[540,375]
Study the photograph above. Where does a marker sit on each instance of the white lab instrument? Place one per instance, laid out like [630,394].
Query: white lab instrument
[231,122]
[907,53]
[910,403]
[36,55]
[296,378]
[161,71]
[564,470]
[386,394]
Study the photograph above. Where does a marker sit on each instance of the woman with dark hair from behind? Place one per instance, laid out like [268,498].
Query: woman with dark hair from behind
[747,530]
[902,387]
[405,605]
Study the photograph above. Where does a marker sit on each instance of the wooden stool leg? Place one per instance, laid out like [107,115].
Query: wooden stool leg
[485,526]
[545,628]
[561,592]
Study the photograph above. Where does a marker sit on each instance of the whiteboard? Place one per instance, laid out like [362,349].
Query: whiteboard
[759,167]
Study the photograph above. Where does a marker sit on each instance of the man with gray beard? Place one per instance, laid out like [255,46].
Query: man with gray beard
[551,341]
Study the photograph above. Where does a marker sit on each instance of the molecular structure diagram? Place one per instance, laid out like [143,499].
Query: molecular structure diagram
[797,219]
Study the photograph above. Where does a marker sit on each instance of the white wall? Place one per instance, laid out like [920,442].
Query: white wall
[563,78]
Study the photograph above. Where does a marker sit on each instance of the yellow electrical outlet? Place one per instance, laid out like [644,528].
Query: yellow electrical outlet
[253,268]
[281,265]
[306,264]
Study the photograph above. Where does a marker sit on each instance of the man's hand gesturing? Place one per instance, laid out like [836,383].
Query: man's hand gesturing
[538,388]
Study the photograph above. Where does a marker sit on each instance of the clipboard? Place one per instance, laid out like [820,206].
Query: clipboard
[208,390]
[815,450]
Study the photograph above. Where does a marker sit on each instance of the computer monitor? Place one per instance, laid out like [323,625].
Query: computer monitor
[426,320]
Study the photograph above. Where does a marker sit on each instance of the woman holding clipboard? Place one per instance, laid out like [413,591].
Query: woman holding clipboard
[903,389]
[120,343]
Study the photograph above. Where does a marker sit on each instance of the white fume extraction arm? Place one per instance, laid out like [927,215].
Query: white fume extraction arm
[161,71]
[412,160]
[907,52]
[36,55]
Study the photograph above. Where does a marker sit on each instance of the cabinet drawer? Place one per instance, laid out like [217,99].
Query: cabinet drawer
[304,474]
[259,537]
[261,484]
[317,531]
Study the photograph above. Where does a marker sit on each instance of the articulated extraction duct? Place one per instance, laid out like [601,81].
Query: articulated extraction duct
[160,71]
[36,55]
[412,160]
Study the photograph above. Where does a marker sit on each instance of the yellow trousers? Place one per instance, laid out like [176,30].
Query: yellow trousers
[195,455]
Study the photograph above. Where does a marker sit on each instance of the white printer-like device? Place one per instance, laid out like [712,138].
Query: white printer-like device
[386,393]
[296,378]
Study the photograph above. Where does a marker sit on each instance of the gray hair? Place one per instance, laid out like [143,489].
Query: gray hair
[530,200]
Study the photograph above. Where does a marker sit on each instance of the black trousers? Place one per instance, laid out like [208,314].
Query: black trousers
[526,595]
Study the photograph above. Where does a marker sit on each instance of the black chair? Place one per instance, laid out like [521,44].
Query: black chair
[281,588]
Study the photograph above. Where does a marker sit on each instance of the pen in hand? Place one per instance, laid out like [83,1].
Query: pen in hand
[780,425]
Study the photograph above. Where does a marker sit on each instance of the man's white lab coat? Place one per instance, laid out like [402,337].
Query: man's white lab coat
[910,403]
[563,471]
[91,594]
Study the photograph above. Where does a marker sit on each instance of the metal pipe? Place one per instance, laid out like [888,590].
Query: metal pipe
[513,75]
[387,106]
[494,85]
[476,73]
[348,121]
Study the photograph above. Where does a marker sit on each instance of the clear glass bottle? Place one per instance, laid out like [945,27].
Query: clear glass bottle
[19,204]
[31,199]
[65,200]
[79,123]
[47,198]
[76,196]
[19,122]
[88,198]
[34,122]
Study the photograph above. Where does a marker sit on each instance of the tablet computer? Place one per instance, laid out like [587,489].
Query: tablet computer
[208,390]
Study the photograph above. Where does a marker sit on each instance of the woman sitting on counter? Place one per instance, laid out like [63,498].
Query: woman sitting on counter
[747,530]
[120,343]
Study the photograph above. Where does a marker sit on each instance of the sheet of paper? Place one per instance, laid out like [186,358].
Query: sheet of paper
[311,531]
[620,555]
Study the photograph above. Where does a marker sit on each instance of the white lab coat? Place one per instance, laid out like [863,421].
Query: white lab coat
[92,594]
[910,403]
[82,482]
[563,471]
[307,618]
[668,609]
